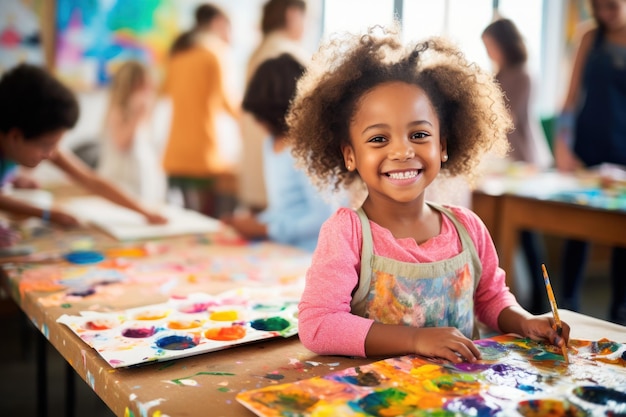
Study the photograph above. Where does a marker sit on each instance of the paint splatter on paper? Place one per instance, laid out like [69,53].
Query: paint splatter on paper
[517,377]
[185,326]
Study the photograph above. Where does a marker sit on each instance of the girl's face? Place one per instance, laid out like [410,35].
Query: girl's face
[610,12]
[394,142]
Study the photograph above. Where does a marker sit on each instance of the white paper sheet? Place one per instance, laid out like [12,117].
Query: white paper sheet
[125,224]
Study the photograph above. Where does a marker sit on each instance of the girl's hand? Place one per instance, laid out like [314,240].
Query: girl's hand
[247,226]
[564,158]
[24,182]
[445,343]
[63,219]
[544,329]
[155,218]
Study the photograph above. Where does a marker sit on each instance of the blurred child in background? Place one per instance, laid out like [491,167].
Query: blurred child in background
[296,209]
[129,154]
[35,112]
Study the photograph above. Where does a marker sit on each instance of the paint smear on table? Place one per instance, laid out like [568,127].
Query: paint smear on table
[517,377]
[185,326]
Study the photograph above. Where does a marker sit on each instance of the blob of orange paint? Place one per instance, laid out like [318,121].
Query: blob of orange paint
[233,332]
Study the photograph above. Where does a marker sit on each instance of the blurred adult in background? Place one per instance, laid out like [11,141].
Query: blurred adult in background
[129,154]
[195,80]
[282,25]
[592,131]
[507,50]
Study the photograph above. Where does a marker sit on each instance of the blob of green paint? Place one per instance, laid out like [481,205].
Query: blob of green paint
[272,324]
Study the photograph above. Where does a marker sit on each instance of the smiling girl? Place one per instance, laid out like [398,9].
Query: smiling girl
[401,275]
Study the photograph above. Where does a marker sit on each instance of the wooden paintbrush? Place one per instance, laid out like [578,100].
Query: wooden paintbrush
[555,310]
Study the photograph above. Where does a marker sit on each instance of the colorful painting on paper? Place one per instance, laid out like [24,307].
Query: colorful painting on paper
[95,35]
[197,323]
[517,377]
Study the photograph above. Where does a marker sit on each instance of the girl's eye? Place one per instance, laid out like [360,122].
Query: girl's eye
[378,139]
[419,135]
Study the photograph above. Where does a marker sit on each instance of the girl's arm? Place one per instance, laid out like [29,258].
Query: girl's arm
[564,156]
[580,60]
[87,178]
[437,342]
[494,304]
[325,323]
[20,208]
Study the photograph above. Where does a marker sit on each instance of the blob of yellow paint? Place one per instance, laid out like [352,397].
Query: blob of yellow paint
[227,315]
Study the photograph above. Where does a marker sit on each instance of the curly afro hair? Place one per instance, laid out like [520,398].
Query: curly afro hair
[35,102]
[469,103]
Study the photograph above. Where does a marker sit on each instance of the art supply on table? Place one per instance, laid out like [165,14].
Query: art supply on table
[555,310]
[84,257]
[186,326]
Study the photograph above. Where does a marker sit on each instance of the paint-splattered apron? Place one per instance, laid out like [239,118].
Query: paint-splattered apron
[436,294]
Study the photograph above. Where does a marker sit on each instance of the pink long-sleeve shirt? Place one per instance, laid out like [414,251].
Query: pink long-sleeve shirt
[326,325]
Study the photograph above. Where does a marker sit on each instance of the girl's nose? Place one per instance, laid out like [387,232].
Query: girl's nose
[402,151]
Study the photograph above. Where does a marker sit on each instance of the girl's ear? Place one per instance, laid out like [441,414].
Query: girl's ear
[444,150]
[348,157]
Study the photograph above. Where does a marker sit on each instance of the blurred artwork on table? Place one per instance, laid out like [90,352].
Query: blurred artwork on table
[20,33]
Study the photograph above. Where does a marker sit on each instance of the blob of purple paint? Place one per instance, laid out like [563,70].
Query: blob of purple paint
[139,333]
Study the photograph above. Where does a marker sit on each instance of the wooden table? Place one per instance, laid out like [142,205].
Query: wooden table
[204,384]
[510,205]
[201,385]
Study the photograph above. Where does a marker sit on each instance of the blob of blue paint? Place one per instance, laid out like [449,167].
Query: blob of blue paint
[84,257]
[615,400]
[176,343]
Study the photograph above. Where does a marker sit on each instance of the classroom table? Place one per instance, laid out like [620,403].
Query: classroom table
[551,203]
[200,385]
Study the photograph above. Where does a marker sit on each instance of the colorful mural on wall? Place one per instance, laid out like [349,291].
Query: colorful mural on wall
[95,35]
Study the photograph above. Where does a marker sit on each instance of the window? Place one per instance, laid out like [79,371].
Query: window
[539,21]
[356,15]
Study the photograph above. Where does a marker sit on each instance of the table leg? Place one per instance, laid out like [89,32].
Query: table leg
[507,241]
[42,375]
[70,391]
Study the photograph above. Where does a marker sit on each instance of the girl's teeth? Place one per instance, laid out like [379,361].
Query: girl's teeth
[403,175]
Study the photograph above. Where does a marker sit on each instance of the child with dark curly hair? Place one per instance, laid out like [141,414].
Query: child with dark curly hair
[402,275]
[36,110]
[296,209]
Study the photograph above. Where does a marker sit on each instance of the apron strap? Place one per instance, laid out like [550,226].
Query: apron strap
[359,294]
